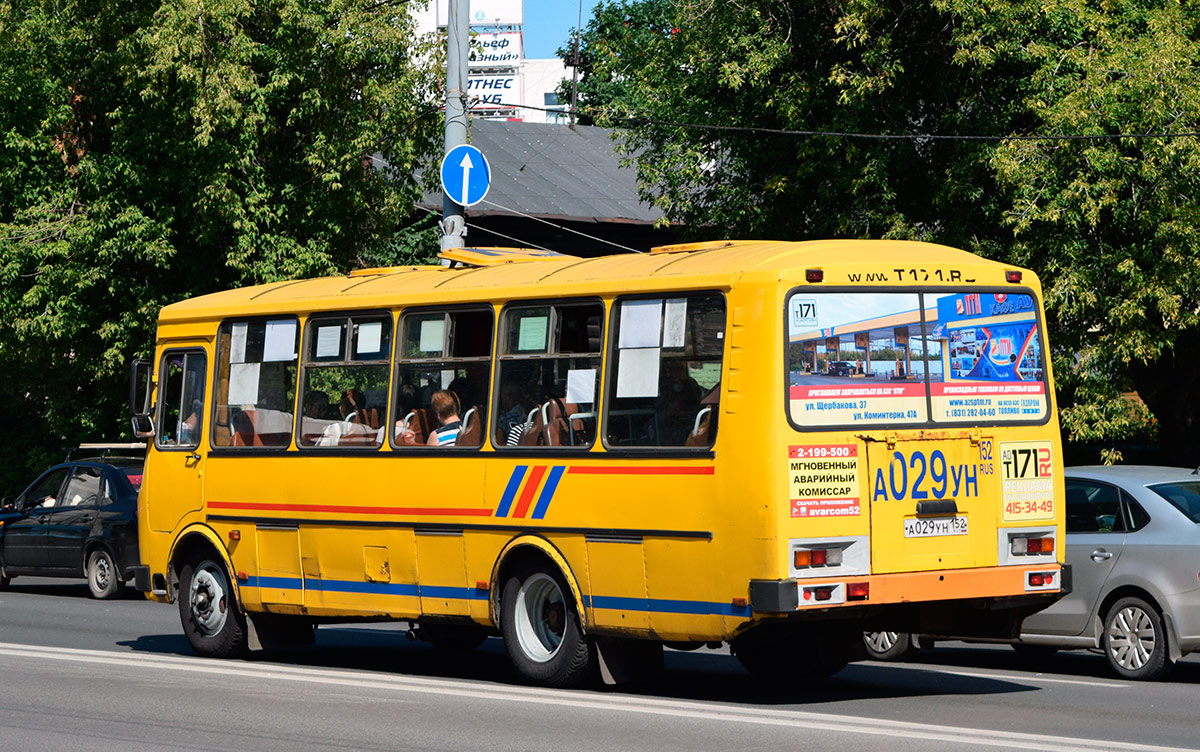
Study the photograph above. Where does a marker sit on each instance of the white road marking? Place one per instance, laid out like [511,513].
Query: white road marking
[1027,678]
[582,699]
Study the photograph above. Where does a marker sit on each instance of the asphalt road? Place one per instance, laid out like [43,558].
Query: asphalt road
[79,674]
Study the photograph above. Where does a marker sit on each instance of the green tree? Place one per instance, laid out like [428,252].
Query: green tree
[156,149]
[1109,224]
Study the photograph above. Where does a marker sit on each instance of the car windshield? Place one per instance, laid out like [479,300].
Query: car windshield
[1183,495]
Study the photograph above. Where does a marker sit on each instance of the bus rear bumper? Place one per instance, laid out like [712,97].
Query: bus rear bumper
[788,596]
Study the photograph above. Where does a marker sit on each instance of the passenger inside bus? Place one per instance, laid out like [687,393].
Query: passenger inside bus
[406,406]
[446,407]
[514,418]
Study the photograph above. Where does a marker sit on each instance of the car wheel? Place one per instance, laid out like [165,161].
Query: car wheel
[1135,642]
[541,627]
[212,621]
[102,577]
[888,646]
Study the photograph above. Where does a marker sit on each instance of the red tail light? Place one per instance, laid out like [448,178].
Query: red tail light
[1024,545]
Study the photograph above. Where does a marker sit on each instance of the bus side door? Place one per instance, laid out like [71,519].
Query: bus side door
[173,485]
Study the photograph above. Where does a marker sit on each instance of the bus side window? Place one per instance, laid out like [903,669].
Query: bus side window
[665,383]
[549,377]
[344,386]
[256,382]
[447,353]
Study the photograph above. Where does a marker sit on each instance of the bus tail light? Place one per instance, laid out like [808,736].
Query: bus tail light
[1025,545]
[858,591]
[817,557]
[1041,580]
[1012,275]
[819,593]
[814,275]
[822,593]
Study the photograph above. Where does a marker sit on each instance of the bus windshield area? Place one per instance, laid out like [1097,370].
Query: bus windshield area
[911,358]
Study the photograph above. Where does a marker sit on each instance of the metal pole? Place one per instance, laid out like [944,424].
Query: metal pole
[458,32]
[575,68]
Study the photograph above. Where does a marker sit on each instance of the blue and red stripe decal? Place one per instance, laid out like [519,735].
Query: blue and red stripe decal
[525,480]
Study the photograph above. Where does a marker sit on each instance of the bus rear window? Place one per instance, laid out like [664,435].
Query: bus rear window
[909,358]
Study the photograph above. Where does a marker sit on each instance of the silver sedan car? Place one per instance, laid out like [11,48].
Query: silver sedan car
[1133,543]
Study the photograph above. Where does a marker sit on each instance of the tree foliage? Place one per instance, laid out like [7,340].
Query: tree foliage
[1109,224]
[156,149]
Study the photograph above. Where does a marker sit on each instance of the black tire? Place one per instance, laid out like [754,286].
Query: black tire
[1034,652]
[889,646]
[1135,642]
[541,627]
[214,624]
[103,578]
[4,580]
[786,652]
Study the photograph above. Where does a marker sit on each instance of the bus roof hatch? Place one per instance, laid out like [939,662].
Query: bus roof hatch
[497,256]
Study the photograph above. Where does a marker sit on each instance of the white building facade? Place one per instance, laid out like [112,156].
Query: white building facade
[502,83]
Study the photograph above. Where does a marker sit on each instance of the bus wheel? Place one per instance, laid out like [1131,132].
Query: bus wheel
[1135,642]
[778,652]
[541,627]
[102,578]
[4,580]
[212,621]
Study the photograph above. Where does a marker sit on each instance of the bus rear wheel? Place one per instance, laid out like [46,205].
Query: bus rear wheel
[212,621]
[541,627]
[777,652]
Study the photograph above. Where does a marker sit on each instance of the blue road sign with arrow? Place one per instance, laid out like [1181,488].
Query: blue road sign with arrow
[466,175]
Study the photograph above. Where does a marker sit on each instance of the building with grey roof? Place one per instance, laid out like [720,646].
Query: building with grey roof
[558,188]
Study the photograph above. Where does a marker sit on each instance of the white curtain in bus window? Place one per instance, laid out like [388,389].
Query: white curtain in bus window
[280,341]
[243,383]
[329,341]
[856,358]
[433,334]
[991,358]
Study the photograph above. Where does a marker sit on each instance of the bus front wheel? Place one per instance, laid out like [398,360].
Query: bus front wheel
[212,621]
[541,627]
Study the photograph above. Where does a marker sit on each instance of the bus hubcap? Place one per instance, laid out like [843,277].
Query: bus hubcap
[208,601]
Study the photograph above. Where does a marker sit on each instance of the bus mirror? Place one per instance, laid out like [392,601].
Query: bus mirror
[143,427]
[139,389]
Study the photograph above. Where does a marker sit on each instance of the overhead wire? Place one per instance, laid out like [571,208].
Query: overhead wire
[520,213]
[630,121]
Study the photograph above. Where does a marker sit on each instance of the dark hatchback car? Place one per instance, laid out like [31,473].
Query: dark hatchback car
[78,519]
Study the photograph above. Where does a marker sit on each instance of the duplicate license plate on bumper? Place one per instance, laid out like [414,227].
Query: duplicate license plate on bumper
[929,527]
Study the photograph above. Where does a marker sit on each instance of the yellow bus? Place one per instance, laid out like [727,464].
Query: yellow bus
[774,445]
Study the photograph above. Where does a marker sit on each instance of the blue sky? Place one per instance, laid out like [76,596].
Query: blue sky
[549,22]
